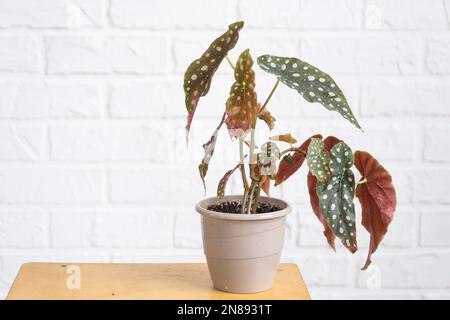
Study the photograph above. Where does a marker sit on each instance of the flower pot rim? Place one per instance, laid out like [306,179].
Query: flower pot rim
[201,206]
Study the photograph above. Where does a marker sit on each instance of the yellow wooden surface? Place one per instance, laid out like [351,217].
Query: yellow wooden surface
[189,281]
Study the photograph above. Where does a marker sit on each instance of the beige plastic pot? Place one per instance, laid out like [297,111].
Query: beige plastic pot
[243,250]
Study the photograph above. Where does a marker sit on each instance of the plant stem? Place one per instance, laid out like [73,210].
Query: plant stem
[229,62]
[242,166]
[362,181]
[270,96]
[282,153]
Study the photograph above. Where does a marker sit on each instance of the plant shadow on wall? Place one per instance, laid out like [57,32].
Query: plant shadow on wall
[331,181]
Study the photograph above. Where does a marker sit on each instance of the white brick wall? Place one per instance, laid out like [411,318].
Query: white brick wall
[93,162]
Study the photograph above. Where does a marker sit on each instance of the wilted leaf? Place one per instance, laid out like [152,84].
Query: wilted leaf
[336,196]
[377,197]
[197,78]
[314,200]
[224,180]
[242,104]
[314,85]
[328,143]
[318,160]
[209,151]
[293,161]
[267,118]
[284,138]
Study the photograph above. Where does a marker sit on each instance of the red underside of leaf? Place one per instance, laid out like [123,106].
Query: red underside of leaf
[377,197]
[291,163]
[312,182]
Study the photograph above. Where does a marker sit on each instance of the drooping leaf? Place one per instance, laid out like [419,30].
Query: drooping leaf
[209,151]
[242,104]
[336,196]
[313,84]
[318,160]
[267,118]
[328,143]
[314,200]
[197,78]
[284,138]
[377,197]
[223,182]
[293,161]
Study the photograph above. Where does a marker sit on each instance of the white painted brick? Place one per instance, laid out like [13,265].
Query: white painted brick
[171,14]
[20,53]
[49,99]
[167,256]
[51,13]
[384,142]
[137,99]
[22,142]
[72,229]
[147,229]
[188,233]
[308,14]
[45,186]
[409,270]
[434,229]
[22,230]
[387,55]
[333,293]
[430,186]
[443,294]
[98,143]
[403,230]
[322,269]
[95,54]
[156,186]
[436,142]
[438,56]
[405,14]
[400,97]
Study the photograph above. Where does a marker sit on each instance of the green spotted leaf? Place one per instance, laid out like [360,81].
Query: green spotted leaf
[318,160]
[336,196]
[242,104]
[209,147]
[198,76]
[223,182]
[313,84]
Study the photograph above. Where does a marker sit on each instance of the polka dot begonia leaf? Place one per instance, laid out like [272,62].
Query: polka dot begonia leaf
[223,182]
[318,160]
[242,104]
[336,196]
[328,143]
[198,76]
[209,147]
[313,84]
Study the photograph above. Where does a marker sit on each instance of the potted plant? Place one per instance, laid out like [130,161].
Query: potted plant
[243,234]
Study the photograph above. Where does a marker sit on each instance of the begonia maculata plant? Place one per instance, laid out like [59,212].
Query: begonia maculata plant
[331,181]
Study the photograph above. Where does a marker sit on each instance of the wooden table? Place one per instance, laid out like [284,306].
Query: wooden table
[140,281]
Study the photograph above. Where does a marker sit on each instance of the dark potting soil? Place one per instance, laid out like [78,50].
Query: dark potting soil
[235,207]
